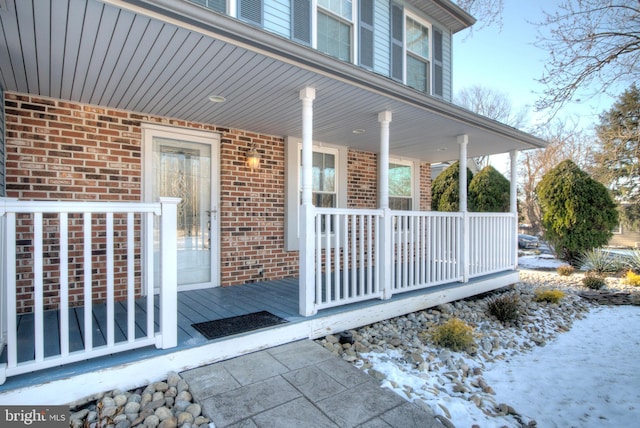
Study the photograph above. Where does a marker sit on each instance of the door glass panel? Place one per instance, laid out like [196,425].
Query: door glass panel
[183,170]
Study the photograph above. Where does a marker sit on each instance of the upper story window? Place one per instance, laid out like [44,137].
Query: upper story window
[416,52]
[217,5]
[401,185]
[418,55]
[335,28]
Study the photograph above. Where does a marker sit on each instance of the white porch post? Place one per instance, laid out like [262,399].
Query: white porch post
[306,285]
[463,140]
[169,273]
[385,259]
[514,204]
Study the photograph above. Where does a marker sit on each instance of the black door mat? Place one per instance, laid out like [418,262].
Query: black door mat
[235,325]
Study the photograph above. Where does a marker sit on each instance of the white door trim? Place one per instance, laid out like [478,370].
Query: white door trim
[151,130]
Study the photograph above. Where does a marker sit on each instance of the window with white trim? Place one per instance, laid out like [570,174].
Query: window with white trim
[329,183]
[401,185]
[334,24]
[324,188]
[418,54]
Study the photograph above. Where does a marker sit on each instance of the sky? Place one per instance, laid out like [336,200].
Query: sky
[506,60]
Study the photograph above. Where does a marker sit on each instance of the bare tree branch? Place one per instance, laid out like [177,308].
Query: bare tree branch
[590,42]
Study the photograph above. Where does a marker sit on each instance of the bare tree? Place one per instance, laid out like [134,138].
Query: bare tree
[487,12]
[493,104]
[589,42]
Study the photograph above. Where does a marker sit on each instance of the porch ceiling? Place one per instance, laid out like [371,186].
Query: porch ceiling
[166,58]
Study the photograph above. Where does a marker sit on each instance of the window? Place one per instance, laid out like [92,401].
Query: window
[217,5]
[334,22]
[324,179]
[418,56]
[329,183]
[416,52]
[401,186]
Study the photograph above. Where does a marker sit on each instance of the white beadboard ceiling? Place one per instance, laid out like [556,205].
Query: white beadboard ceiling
[166,58]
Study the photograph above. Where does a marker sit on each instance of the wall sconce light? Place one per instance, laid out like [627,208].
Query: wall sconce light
[253,158]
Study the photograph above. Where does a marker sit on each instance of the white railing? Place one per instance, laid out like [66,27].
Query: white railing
[492,243]
[427,249]
[353,255]
[101,243]
[345,254]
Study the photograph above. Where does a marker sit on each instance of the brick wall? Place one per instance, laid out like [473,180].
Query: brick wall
[362,180]
[252,211]
[425,186]
[60,150]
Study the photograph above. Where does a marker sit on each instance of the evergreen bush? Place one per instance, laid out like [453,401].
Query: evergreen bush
[489,191]
[578,213]
[445,189]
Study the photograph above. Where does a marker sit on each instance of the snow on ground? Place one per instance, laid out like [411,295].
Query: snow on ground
[587,377]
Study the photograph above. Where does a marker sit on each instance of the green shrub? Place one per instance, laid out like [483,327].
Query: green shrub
[489,191]
[445,194]
[578,213]
[505,308]
[550,296]
[455,334]
[565,270]
[633,262]
[600,261]
[593,281]
[632,278]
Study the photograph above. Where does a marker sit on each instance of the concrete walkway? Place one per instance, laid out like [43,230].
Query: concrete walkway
[299,384]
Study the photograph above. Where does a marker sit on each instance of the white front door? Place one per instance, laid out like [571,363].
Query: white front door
[183,163]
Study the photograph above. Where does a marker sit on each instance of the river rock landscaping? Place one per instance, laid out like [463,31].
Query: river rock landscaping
[400,352]
[166,404]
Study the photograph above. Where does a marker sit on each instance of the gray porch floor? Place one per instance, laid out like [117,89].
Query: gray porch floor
[279,297]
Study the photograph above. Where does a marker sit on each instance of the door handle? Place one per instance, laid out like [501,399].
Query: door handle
[212,213]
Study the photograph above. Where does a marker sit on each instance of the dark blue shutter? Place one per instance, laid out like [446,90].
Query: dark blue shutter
[301,21]
[438,84]
[251,11]
[397,32]
[366,33]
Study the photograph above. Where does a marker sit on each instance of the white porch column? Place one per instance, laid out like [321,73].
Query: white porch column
[513,154]
[169,273]
[384,118]
[463,140]
[306,285]
[385,259]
